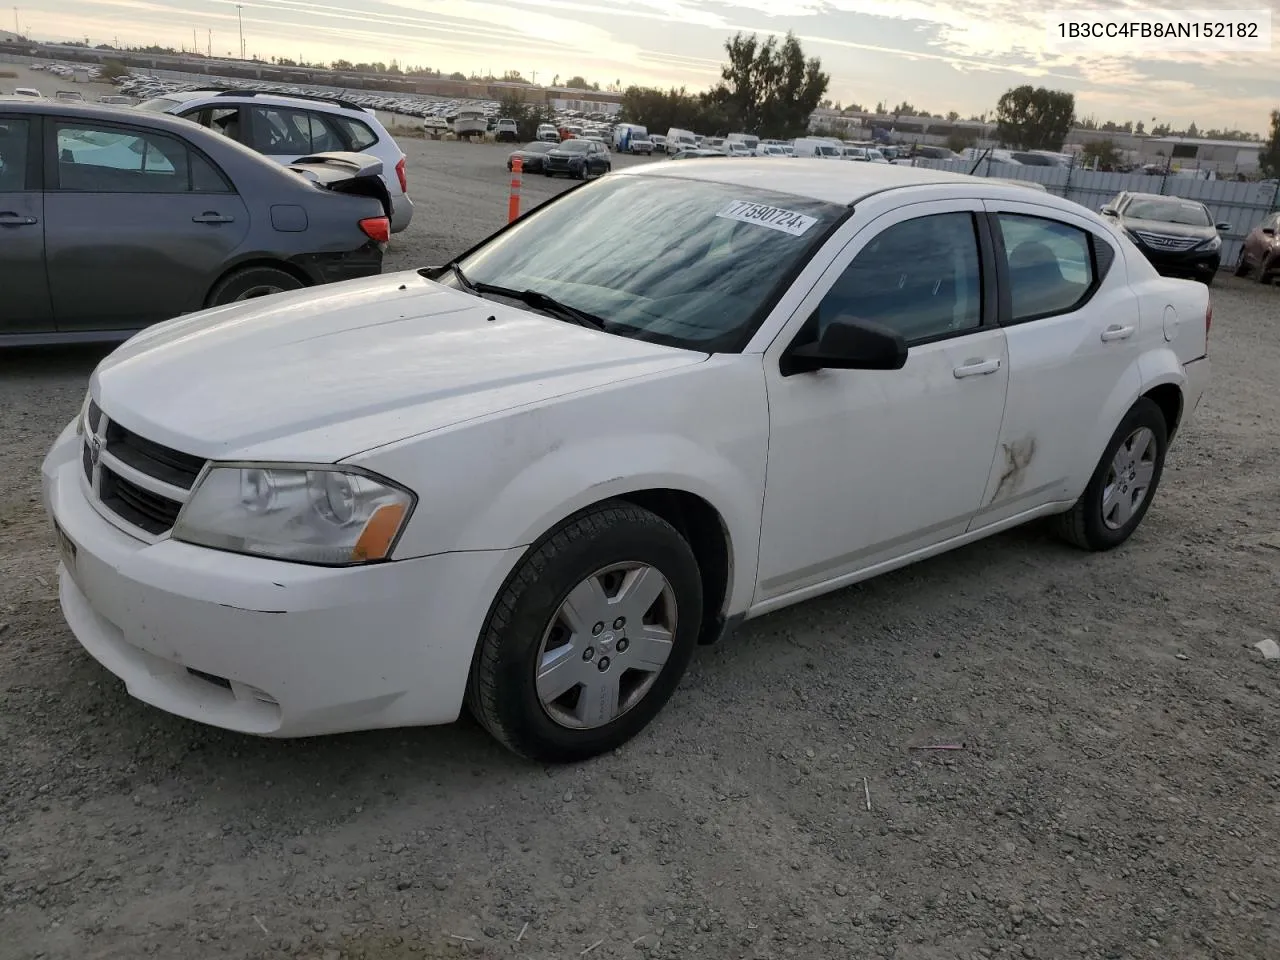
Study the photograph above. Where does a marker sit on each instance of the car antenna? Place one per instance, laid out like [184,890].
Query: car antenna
[981,157]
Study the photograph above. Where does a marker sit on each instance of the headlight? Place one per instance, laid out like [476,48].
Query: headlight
[1212,244]
[301,512]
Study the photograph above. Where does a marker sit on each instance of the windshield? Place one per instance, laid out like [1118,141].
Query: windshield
[537,146]
[683,262]
[1168,211]
[159,104]
[575,146]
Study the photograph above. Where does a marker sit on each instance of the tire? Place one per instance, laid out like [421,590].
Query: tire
[250,283]
[1208,281]
[1084,524]
[503,692]
[1242,264]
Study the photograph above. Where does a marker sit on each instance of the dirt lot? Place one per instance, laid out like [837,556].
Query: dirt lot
[1117,796]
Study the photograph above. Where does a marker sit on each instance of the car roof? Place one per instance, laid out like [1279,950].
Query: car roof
[823,180]
[261,96]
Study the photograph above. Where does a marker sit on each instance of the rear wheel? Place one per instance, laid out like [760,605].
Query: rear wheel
[1123,484]
[589,637]
[251,283]
[1242,263]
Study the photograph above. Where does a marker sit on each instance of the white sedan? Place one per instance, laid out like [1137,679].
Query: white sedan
[535,479]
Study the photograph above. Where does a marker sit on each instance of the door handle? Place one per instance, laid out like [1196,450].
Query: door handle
[10,219]
[977,368]
[212,216]
[1117,332]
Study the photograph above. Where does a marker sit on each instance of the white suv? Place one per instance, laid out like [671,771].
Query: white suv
[285,128]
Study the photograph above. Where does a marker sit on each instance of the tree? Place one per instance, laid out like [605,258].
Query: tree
[527,115]
[767,88]
[1192,131]
[458,75]
[960,141]
[111,69]
[577,83]
[1139,127]
[1104,151]
[1269,157]
[879,108]
[953,116]
[1034,118]
[905,109]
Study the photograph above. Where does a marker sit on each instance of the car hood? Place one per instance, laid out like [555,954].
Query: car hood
[323,374]
[1171,229]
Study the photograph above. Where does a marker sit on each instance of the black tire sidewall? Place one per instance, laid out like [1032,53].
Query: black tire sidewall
[231,286]
[1144,413]
[520,713]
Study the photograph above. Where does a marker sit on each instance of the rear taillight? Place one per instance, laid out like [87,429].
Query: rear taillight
[377,229]
[402,175]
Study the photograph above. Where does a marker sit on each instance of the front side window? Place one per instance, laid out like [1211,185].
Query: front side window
[688,263]
[15,134]
[921,278]
[120,160]
[1050,265]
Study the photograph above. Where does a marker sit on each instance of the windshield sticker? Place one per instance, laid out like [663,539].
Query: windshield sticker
[775,218]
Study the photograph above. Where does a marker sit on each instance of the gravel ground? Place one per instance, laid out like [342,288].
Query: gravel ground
[1116,796]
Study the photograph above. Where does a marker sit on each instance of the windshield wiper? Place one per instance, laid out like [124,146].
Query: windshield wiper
[542,301]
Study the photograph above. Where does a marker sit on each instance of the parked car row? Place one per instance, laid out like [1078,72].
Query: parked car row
[115,219]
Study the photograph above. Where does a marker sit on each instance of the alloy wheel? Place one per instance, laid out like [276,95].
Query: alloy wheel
[1129,478]
[606,645]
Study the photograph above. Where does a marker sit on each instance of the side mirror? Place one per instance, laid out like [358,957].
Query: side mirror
[848,345]
[1269,231]
[1223,227]
[1108,211]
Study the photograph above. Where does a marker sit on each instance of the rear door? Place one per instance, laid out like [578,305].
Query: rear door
[1074,336]
[24,285]
[138,224]
[284,133]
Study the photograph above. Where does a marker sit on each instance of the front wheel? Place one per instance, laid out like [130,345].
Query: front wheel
[589,636]
[1123,484]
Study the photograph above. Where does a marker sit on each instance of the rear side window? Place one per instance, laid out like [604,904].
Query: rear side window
[206,178]
[15,136]
[280,132]
[120,160]
[359,135]
[1051,266]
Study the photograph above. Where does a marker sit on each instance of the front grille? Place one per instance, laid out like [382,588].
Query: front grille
[1160,241]
[155,460]
[139,506]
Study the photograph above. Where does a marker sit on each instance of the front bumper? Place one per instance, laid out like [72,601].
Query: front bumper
[264,647]
[1192,263]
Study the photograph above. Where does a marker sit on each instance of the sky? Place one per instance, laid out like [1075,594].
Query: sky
[935,54]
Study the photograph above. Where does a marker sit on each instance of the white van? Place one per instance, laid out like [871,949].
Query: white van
[818,147]
[750,139]
[624,133]
[678,140]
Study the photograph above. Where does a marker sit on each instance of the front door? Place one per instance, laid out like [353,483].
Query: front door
[24,285]
[868,466]
[138,225]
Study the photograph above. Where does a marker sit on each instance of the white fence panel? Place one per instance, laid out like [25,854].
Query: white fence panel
[1243,205]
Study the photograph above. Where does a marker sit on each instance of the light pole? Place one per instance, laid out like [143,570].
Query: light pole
[240,19]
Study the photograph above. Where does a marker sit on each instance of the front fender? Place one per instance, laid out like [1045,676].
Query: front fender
[503,481]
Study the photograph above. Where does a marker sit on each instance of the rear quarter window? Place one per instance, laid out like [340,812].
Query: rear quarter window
[359,135]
